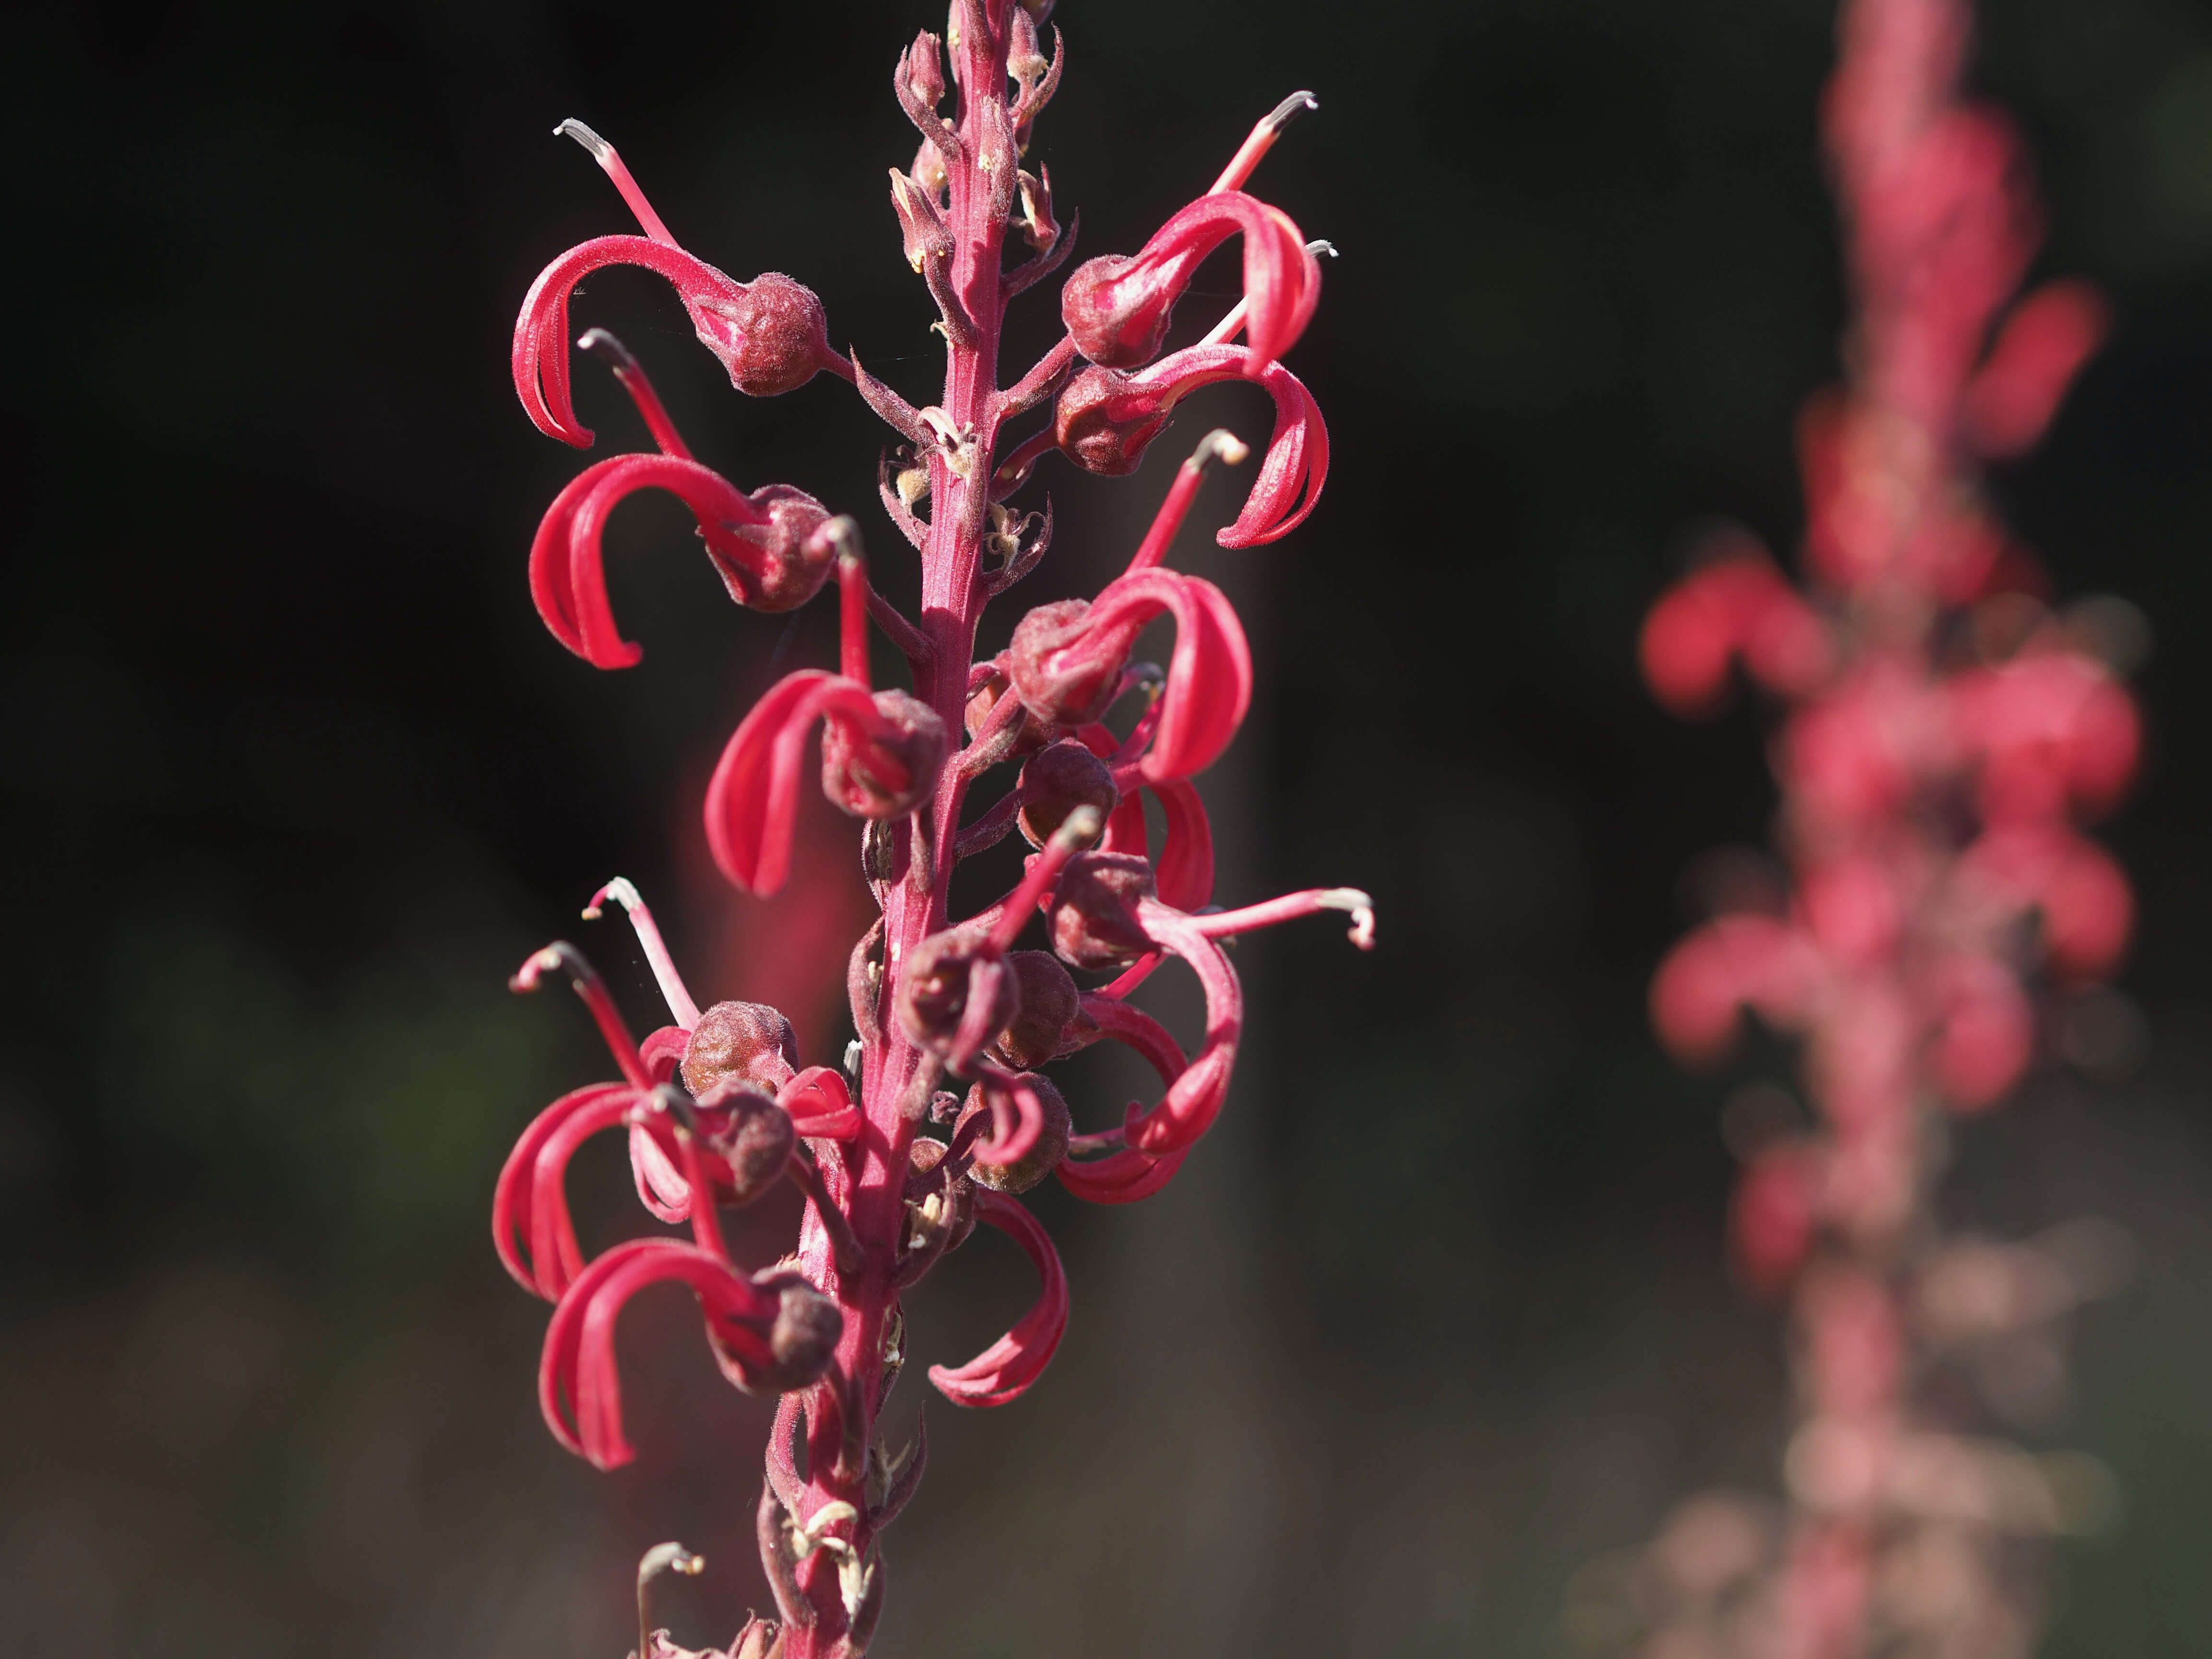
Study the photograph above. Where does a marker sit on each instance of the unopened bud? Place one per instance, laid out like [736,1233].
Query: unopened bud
[1050,1004]
[1040,229]
[1025,59]
[851,775]
[1093,916]
[749,1042]
[747,1130]
[921,227]
[1051,1145]
[925,70]
[1058,780]
[928,171]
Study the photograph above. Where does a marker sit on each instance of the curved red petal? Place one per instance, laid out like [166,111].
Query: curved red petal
[511,1195]
[554,1258]
[539,357]
[820,1105]
[1004,1371]
[753,797]
[1194,1098]
[1295,467]
[577,1370]
[715,502]
[1209,684]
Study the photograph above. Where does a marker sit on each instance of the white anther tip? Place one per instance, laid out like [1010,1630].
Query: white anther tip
[572,128]
[620,891]
[1291,108]
[1079,827]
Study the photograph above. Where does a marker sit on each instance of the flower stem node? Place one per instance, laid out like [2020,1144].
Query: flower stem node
[745,1042]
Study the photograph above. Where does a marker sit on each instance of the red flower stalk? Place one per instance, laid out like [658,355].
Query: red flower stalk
[718,1106]
[1943,734]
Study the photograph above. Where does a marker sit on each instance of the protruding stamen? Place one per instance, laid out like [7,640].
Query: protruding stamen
[604,154]
[1289,908]
[690,1139]
[1262,139]
[562,957]
[680,1005]
[1077,831]
[1220,444]
[843,534]
[1230,326]
[661,1558]
[611,351]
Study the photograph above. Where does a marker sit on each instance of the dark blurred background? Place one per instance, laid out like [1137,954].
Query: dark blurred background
[294,778]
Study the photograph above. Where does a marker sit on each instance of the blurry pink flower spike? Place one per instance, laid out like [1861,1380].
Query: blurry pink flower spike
[895,1166]
[1944,734]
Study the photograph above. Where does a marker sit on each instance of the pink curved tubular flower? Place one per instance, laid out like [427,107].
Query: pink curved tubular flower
[896,1165]
[881,755]
[1944,737]
[1105,420]
[1117,308]
[1067,658]
[768,547]
[775,1331]
[769,334]
[1003,1372]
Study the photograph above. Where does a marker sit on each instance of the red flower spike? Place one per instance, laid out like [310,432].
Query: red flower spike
[1117,308]
[1942,740]
[1104,419]
[930,997]
[880,756]
[1004,1371]
[578,1372]
[1066,660]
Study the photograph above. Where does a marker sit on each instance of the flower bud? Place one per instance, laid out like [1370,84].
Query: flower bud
[928,171]
[1039,228]
[1035,733]
[1050,1004]
[1038,1161]
[921,227]
[857,785]
[1058,780]
[1092,916]
[751,1132]
[925,70]
[923,1155]
[749,1041]
[1025,59]
[796,559]
[941,975]
[773,338]
[1102,427]
[803,1339]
